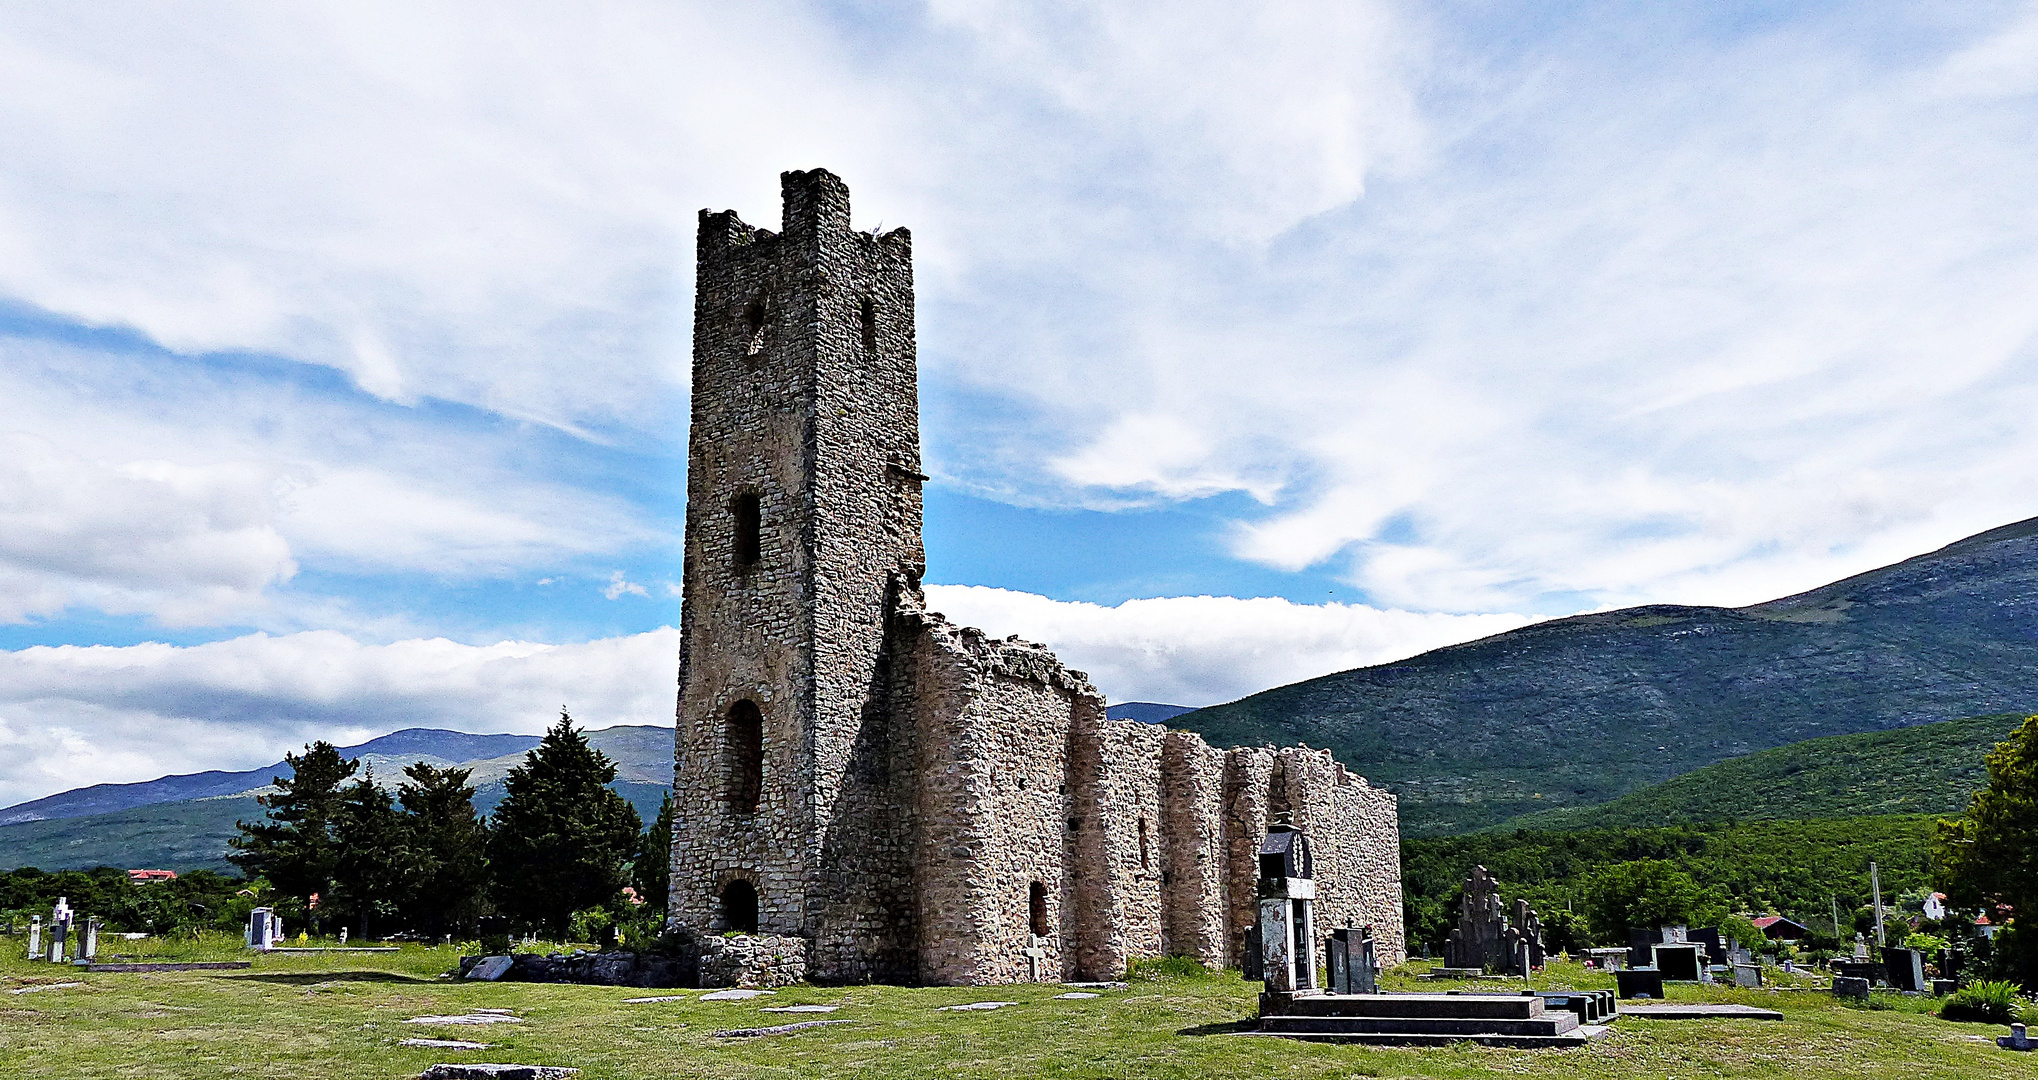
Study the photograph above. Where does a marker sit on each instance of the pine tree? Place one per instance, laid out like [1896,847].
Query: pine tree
[295,849]
[561,841]
[447,852]
[369,880]
[652,873]
[1984,859]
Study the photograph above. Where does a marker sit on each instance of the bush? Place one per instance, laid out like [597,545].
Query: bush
[1988,1002]
[1931,943]
[1164,967]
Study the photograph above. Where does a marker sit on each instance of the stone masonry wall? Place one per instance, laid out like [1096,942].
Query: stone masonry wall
[918,779]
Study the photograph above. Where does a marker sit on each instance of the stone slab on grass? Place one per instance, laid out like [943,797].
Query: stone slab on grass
[976,1006]
[782,1029]
[478,1016]
[491,968]
[654,1000]
[218,965]
[1075,995]
[479,1071]
[801,1008]
[736,995]
[445,1044]
[45,986]
[1698,1012]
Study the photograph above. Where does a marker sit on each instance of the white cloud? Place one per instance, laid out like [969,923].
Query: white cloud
[77,715]
[134,486]
[1202,650]
[617,587]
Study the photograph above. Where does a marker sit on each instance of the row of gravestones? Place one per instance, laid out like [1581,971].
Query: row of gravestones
[62,926]
[1485,939]
[1901,969]
[1677,954]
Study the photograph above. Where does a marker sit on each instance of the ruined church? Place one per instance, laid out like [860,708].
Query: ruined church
[865,791]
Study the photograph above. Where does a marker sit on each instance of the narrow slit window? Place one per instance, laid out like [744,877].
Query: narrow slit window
[753,328]
[739,906]
[748,511]
[744,747]
[868,313]
[1036,909]
[1145,852]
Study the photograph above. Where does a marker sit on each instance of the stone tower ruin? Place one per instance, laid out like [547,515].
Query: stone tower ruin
[866,792]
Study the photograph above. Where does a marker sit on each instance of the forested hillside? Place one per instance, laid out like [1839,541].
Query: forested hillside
[1796,868]
[1579,711]
[1928,769]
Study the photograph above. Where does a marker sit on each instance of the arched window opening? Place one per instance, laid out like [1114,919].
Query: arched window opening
[744,747]
[1036,909]
[1145,852]
[739,906]
[748,510]
[869,317]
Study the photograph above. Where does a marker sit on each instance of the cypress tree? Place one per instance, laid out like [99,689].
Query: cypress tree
[295,849]
[652,873]
[369,880]
[446,845]
[561,841]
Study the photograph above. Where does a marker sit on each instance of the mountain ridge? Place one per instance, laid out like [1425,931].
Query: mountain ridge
[1582,710]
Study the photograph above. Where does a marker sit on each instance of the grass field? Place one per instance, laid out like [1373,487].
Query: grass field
[341,1016]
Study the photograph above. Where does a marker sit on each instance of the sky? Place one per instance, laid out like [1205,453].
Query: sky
[344,347]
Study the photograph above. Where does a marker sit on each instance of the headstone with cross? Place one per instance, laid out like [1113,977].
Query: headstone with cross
[1035,955]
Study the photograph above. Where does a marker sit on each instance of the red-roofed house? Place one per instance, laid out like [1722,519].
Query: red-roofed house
[144,877]
[1778,928]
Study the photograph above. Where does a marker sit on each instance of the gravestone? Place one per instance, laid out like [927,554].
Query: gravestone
[1717,950]
[1608,959]
[1848,986]
[264,929]
[1748,975]
[1639,983]
[60,929]
[88,949]
[491,968]
[35,938]
[1905,968]
[1640,944]
[1035,953]
[343,936]
[1353,967]
[1680,962]
[1478,941]
[1860,946]
[2018,1039]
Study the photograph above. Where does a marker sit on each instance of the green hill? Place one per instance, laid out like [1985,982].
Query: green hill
[1579,711]
[1928,769]
[1796,868]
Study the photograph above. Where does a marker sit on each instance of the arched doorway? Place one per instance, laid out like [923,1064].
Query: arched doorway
[739,907]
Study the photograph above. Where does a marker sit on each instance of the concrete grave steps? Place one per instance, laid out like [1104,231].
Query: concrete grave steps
[1521,1020]
[1557,1024]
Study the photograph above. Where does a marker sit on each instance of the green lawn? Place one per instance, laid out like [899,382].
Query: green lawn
[341,1016]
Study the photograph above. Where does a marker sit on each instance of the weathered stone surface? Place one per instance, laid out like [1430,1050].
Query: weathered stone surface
[782,1029]
[736,995]
[866,791]
[1849,986]
[498,1072]
[976,1006]
[800,1008]
[475,1018]
[444,1044]
[490,968]
[595,969]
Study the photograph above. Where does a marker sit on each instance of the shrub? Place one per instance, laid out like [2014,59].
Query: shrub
[1931,943]
[1987,1002]
[1163,967]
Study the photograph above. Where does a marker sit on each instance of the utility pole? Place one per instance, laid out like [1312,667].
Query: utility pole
[1837,932]
[1875,883]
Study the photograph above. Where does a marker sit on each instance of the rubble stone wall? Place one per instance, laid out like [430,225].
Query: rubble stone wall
[919,779]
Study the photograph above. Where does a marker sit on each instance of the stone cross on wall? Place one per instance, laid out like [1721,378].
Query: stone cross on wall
[1034,954]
